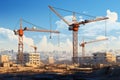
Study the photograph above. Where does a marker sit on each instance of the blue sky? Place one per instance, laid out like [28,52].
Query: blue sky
[33,10]
[37,12]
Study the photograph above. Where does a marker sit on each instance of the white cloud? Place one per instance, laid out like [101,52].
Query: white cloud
[97,30]
[112,38]
[62,25]
[28,41]
[81,18]
[45,45]
[101,37]
[113,16]
[8,33]
[10,39]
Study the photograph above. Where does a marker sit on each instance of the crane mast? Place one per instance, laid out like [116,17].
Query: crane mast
[20,45]
[75,41]
[75,27]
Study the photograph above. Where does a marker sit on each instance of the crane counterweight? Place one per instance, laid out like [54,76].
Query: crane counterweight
[20,32]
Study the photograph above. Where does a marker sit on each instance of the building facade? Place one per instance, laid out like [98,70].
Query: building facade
[102,57]
[51,60]
[117,58]
[4,58]
[85,61]
[4,61]
[31,59]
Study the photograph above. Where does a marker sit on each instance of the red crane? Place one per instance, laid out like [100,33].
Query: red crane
[20,33]
[84,43]
[74,26]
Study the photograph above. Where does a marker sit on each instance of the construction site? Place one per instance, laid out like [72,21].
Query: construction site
[100,65]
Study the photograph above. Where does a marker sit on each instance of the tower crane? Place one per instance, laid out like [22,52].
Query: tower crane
[35,48]
[20,33]
[74,27]
[84,43]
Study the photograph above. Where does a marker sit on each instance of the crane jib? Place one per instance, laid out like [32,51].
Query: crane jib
[51,31]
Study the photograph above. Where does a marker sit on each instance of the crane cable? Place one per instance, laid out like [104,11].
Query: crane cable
[75,12]
[33,24]
[50,22]
[16,24]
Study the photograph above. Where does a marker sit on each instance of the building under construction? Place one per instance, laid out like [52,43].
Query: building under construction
[20,33]
[30,59]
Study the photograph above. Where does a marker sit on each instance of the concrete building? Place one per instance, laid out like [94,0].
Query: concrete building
[86,59]
[31,59]
[4,58]
[103,57]
[4,61]
[51,60]
[117,58]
